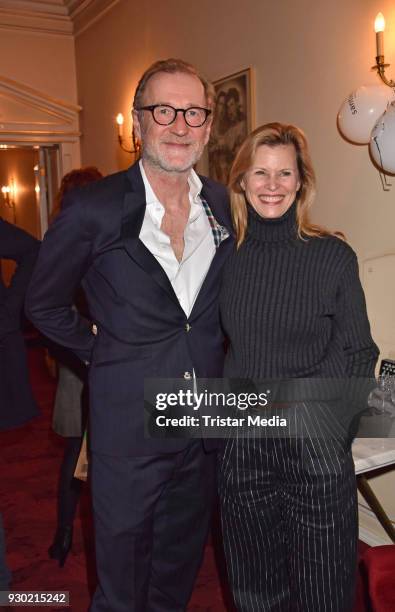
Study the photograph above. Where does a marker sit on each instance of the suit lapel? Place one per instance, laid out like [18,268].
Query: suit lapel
[222,216]
[212,276]
[219,210]
[132,219]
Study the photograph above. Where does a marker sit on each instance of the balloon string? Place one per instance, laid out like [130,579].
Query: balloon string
[385,184]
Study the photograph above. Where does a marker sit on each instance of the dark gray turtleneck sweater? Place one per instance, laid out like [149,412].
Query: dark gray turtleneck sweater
[292,307]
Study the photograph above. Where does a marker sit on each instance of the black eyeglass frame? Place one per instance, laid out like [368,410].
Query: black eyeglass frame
[152,108]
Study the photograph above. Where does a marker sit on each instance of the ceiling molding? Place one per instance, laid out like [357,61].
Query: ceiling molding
[61,17]
[28,112]
[88,12]
[48,18]
[29,94]
[46,7]
[74,5]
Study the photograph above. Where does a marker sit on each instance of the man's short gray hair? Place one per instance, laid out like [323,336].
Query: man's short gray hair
[172,66]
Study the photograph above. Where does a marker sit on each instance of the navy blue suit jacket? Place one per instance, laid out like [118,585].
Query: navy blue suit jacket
[142,328]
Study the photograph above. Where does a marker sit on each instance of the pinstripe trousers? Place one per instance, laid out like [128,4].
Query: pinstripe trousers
[290,524]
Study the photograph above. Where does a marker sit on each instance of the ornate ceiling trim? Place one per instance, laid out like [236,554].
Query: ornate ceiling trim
[26,111]
[59,17]
[90,11]
[22,17]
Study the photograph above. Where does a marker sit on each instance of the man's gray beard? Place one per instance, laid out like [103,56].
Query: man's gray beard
[161,164]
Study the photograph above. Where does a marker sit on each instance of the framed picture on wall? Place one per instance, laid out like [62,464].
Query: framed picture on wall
[232,122]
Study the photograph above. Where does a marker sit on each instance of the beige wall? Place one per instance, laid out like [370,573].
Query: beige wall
[45,62]
[307,56]
[110,56]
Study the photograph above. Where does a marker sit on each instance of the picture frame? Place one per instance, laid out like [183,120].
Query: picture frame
[233,120]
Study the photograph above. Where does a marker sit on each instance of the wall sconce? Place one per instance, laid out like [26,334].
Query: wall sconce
[367,115]
[380,66]
[6,190]
[9,194]
[136,145]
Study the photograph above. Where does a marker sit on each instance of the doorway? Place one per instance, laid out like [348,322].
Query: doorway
[29,179]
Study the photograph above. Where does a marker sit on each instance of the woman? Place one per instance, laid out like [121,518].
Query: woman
[293,308]
[70,409]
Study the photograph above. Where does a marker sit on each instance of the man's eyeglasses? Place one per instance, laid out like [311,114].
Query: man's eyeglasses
[163,114]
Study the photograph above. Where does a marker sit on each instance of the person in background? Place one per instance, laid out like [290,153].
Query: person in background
[70,408]
[17,404]
[292,307]
[5,574]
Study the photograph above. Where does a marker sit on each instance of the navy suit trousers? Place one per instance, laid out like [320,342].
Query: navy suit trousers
[152,516]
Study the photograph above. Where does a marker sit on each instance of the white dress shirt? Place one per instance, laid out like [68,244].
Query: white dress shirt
[186,276]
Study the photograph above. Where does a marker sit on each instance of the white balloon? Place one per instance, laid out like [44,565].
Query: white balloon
[382,140]
[360,111]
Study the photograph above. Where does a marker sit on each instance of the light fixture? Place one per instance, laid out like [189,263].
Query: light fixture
[380,66]
[367,115]
[9,193]
[136,145]
[6,190]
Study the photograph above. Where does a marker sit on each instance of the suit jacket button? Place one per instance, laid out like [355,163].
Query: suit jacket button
[188,327]
[187,375]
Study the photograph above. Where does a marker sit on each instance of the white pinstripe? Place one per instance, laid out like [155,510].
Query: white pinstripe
[289,517]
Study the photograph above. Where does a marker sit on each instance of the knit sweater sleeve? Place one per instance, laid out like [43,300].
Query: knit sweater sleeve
[352,321]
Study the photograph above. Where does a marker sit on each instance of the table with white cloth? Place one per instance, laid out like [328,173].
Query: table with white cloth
[371,454]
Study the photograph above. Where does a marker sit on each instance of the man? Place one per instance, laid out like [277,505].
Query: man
[148,245]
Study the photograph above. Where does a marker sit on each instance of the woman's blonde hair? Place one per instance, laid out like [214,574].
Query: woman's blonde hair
[272,135]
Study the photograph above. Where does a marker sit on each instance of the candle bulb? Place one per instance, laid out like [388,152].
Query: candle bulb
[379,26]
[119,120]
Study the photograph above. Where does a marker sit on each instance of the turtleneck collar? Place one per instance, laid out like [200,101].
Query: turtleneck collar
[272,230]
